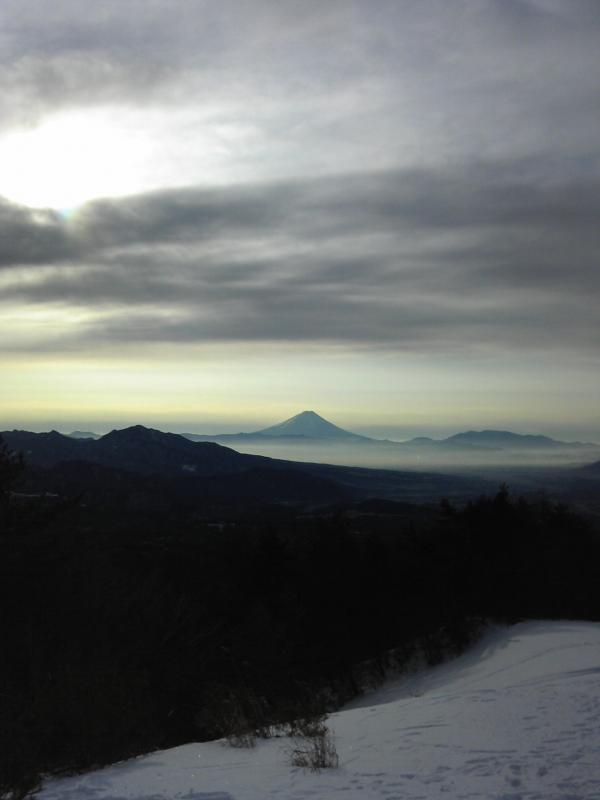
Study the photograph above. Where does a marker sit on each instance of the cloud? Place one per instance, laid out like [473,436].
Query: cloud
[32,236]
[418,175]
[325,85]
[458,258]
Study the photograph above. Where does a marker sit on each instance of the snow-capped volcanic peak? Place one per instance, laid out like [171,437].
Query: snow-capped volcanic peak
[310,425]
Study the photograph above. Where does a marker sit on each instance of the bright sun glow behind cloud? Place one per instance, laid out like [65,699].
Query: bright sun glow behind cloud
[71,158]
[76,156]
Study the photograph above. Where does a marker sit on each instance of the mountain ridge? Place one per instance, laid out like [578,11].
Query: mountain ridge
[310,426]
[490,436]
[137,448]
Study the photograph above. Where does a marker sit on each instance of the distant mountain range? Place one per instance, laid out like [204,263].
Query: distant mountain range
[139,461]
[145,469]
[499,440]
[308,426]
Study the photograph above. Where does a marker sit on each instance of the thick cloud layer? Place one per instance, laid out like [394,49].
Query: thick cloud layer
[410,174]
[413,260]
[420,79]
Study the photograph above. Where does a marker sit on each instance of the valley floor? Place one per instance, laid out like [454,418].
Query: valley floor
[515,718]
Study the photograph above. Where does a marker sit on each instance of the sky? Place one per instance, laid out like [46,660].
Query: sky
[214,215]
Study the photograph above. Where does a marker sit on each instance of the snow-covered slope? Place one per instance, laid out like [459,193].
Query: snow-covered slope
[516,718]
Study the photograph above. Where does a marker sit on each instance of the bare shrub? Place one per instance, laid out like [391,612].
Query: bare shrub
[313,748]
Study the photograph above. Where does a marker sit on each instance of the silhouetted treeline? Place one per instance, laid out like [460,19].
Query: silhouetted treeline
[118,640]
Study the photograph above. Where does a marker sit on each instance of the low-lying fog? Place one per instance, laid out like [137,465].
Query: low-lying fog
[391,455]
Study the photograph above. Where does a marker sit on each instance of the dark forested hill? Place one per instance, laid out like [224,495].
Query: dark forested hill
[189,474]
[137,448]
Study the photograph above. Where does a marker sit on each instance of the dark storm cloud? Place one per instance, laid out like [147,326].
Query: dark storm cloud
[415,259]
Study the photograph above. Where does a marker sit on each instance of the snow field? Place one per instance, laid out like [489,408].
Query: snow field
[515,718]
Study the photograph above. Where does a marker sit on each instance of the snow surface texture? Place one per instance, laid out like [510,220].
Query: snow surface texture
[515,718]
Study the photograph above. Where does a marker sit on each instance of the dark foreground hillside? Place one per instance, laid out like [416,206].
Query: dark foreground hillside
[139,632]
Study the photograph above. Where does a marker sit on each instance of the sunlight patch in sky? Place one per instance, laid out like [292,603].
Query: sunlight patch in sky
[70,158]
